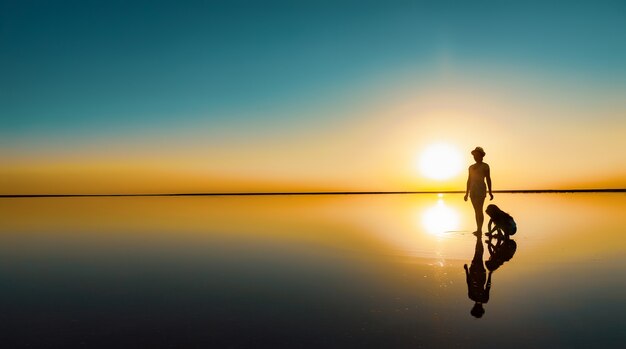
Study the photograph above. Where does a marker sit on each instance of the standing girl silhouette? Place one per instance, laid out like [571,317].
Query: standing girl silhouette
[476,189]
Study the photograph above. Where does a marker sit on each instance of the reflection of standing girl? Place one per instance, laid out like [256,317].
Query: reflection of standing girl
[476,189]
[477,288]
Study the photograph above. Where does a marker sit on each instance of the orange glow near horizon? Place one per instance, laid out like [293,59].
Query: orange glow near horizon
[378,144]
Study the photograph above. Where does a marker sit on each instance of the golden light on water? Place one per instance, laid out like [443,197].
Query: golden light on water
[440,161]
[440,218]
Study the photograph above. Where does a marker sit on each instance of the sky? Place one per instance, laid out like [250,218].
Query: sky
[232,96]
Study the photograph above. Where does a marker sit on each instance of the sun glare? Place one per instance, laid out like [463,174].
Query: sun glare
[440,219]
[440,161]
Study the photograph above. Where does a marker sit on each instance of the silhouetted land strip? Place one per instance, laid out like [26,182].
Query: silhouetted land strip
[524,191]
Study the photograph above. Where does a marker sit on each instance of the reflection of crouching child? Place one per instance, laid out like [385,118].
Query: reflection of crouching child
[501,221]
[499,253]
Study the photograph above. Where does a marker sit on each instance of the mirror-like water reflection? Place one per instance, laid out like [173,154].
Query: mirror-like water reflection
[440,219]
[338,271]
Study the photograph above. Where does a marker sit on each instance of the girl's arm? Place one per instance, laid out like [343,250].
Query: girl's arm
[488,178]
[467,186]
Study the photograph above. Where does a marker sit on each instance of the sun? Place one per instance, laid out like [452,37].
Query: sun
[440,161]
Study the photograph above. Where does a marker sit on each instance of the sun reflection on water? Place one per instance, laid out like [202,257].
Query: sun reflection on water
[439,219]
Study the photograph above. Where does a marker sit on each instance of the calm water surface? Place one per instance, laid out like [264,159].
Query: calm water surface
[380,271]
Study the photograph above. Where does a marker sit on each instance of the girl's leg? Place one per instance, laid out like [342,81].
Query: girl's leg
[478,212]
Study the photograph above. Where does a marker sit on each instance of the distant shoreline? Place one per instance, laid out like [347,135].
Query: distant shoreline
[523,191]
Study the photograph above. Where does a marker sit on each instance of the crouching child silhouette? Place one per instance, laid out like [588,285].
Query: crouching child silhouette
[501,222]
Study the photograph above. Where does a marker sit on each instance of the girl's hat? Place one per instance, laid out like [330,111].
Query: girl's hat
[478,151]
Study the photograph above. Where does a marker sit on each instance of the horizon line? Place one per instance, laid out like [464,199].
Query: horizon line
[513,191]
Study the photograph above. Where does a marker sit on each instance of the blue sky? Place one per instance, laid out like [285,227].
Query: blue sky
[72,66]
